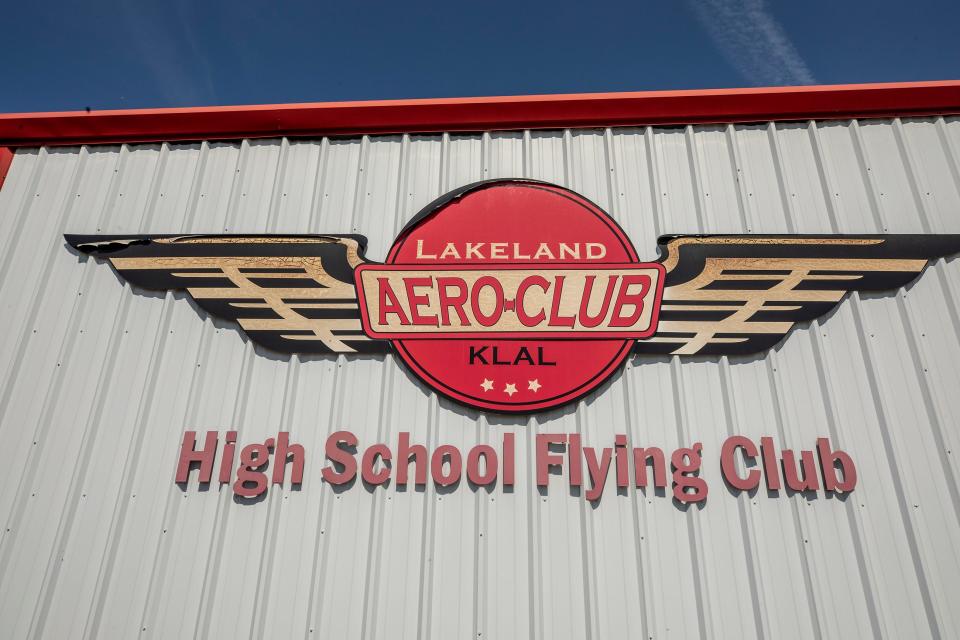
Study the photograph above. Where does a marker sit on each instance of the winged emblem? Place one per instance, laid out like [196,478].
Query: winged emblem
[723,294]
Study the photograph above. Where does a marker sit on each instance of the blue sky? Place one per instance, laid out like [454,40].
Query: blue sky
[111,54]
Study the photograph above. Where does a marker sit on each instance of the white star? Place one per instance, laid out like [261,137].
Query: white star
[510,389]
[534,385]
[487,384]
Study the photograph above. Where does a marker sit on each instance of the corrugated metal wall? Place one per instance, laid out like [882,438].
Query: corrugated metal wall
[98,384]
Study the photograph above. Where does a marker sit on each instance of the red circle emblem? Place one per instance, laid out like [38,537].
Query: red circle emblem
[511,296]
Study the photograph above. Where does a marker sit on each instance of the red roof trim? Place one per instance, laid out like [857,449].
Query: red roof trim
[6,159]
[484,114]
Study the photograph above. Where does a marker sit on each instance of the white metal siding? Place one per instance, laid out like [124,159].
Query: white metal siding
[99,382]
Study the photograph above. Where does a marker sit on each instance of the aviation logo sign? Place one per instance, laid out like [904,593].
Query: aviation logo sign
[518,296]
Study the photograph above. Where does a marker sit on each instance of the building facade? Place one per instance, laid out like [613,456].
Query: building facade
[100,380]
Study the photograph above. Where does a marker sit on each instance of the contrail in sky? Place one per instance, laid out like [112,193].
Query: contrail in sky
[752,41]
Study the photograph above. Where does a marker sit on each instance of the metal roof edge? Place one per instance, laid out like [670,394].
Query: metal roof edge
[708,106]
[6,159]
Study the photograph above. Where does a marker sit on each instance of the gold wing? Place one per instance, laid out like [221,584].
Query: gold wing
[738,295]
[292,294]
